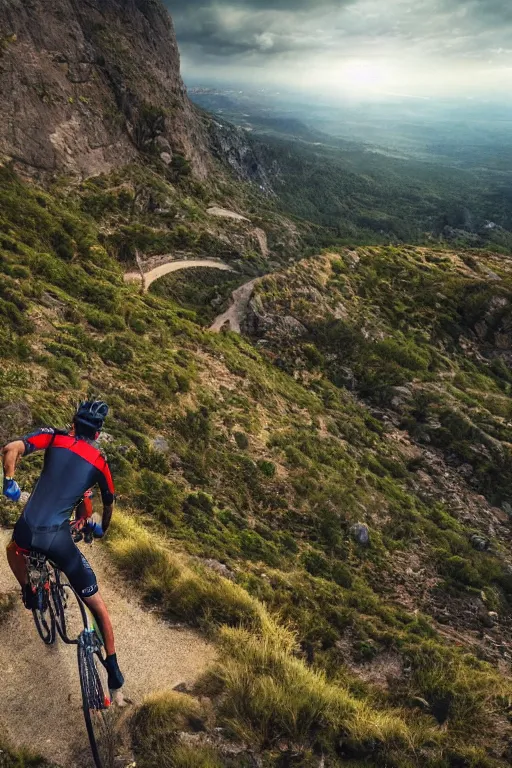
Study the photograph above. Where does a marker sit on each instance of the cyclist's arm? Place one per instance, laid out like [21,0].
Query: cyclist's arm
[11,454]
[107,516]
[107,495]
[83,510]
[35,441]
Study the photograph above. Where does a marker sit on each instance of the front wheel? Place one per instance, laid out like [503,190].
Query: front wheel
[97,703]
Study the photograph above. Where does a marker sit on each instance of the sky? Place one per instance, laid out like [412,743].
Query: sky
[369,48]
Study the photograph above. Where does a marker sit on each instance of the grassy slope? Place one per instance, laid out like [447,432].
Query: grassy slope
[266,474]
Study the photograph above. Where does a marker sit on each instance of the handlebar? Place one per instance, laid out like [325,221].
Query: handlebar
[88,533]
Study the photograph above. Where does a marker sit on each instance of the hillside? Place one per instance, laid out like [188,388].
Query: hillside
[257,465]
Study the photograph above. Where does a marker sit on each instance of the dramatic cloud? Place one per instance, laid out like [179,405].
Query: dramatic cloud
[437,47]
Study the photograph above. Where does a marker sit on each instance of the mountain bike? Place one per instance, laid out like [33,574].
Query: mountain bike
[59,609]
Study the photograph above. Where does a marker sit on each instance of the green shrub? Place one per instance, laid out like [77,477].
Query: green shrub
[267,468]
[156,727]
[241,440]
[115,350]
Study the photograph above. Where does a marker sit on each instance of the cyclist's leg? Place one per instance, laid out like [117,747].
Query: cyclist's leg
[17,563]
[66,556]
[97,606]
[18,547]
[99,610]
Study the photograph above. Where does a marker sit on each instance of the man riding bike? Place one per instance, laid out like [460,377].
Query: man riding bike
[72,465]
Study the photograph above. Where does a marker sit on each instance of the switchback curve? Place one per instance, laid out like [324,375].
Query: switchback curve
[174,266]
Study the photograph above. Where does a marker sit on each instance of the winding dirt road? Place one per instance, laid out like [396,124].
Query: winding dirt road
[174,266]
[234,315]
[40,703]
[224,213]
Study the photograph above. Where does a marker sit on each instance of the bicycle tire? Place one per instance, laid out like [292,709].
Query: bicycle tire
[61,591]
[97,704]
[44,618]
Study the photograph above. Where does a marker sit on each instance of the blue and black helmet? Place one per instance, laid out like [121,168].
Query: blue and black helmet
[91,414]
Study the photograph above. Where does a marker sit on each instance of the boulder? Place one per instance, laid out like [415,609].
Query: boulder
[361,534]
[160,444]
[220,568]
[162,145]
[105,437]
[401,396]
[479,543]
[260,323]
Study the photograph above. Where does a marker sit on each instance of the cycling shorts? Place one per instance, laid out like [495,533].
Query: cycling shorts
[57,544]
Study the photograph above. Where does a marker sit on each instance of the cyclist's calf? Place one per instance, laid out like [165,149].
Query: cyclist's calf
[17,563]
[97,606]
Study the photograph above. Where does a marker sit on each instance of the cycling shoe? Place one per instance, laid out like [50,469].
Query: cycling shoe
[28,597]
[115,677]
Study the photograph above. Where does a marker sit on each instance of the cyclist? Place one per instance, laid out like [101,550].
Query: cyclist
[72,465]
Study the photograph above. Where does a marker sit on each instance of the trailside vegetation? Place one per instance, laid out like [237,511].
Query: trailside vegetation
[246,472]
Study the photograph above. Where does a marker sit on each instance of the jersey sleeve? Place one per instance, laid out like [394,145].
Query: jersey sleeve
[38,440]
[106,484]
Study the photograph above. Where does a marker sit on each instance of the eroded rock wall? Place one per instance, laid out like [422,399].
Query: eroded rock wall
[85,85]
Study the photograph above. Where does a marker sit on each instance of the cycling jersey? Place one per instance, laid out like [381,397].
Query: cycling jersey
[72,465]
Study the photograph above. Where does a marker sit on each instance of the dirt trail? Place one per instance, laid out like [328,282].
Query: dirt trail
[235,313]
[174,266]
[225,214]
[40,703]
[261,237]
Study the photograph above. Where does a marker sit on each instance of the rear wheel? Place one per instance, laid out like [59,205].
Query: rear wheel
[44,618]
[70,616]
[97,703]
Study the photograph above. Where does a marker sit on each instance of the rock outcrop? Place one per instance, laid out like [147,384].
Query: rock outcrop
[86,86]
[244,157]
[260,323]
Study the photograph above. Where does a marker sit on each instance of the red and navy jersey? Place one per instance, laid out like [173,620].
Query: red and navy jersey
[72,465]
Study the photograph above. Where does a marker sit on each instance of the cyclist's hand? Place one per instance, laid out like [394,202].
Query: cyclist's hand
[95,529]
[11,489]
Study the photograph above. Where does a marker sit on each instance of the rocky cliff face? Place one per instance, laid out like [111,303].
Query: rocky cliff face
[242,155]
[85,85]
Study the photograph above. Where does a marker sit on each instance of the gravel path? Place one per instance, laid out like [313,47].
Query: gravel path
[226,214]
[174,266]
[234,315]
[40,703]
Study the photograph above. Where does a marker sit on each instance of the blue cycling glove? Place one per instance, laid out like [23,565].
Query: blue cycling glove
[11,489]
[96,530]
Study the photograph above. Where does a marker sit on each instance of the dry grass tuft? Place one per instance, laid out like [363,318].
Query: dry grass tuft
[269,695]
[200,597]
[156,727]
